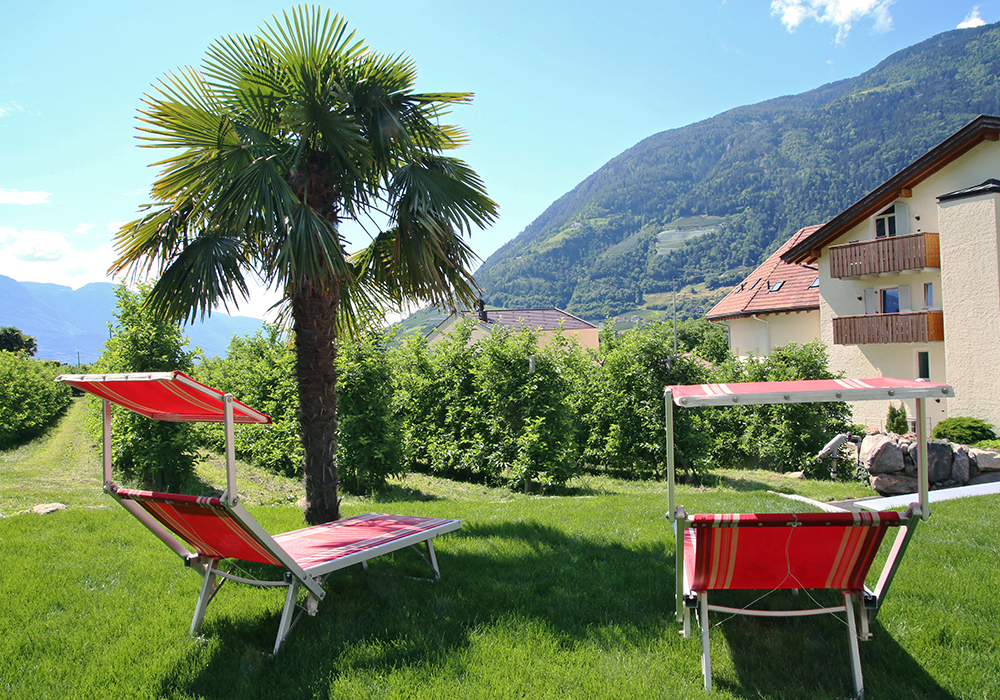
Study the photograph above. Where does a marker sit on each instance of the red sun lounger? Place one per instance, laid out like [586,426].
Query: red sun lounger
[769,552]
[220,528]
[822,551]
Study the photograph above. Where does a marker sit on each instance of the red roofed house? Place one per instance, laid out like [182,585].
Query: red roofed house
[546,321]
[776,305]
[910,277]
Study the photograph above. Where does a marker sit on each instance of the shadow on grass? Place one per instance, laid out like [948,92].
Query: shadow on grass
[808,657]
[501,582]
[493,576]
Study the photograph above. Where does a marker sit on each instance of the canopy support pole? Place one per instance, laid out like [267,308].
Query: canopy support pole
[227,417]
[668,401]
[923,477]
[106,442]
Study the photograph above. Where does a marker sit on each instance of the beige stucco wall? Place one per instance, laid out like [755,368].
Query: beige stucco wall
[966,289]
[970,271]
[748,336]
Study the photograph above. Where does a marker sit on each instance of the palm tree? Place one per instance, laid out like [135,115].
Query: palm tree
[278,139]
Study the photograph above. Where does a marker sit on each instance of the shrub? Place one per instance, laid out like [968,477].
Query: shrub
[626,421]
[368,445]
[259,370]
[30,400]
[783,437]
[153,454]
[964,430]
[895,421]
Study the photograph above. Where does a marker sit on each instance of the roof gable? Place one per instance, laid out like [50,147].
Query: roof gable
[983,128]
[775,286]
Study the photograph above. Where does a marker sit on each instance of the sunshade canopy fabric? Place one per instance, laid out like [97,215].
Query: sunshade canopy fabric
[167,396]
[818,390]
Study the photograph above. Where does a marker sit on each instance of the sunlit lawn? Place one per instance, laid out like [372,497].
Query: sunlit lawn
[559,596]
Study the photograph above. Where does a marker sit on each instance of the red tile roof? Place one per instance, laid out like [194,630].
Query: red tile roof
[537,319]
[755,296]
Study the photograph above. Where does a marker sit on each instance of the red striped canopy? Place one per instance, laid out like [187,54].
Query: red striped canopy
[819,390]
[167,396]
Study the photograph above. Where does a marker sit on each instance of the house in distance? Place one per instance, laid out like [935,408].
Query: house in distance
[547,322]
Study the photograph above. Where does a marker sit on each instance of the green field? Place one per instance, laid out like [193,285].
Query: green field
[563,596]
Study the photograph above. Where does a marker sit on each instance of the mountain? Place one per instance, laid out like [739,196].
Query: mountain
[707,202]
[68,323]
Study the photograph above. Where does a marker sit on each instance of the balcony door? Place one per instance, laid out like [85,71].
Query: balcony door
[887,300]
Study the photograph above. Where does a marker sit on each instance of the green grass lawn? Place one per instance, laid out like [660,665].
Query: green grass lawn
[561,596]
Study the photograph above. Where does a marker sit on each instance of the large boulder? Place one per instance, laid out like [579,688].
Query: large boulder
[939,459]
[986,460]
[880,454]
[960,470]
[893,485]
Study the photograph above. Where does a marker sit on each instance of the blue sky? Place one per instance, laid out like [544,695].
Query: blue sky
[561,88]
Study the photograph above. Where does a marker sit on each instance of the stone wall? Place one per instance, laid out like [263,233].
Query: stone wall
[891,462]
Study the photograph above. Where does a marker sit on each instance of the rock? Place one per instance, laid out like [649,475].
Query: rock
[960,471]
[893,485]
[986,460]
[795,475]
[45,508]
[939,459]
[987,478]
[881,455]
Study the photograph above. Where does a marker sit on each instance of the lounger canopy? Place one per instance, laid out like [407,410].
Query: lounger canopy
[808,391]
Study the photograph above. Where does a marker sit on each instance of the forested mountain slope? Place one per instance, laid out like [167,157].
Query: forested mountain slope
[725,192]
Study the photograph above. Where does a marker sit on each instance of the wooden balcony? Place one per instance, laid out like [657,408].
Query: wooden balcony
[905,327]
[914,251]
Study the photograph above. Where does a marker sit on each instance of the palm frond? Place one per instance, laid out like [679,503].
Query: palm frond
[206,273]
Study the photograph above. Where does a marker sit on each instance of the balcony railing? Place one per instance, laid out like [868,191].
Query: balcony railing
[905,327]
[914,251]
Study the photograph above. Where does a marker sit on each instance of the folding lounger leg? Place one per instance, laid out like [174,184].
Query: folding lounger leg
[859,687]
[208,589]
[287,614]
[433,559]
[706,649]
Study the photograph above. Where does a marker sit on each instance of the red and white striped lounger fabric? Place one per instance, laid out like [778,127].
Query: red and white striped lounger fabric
[831,551]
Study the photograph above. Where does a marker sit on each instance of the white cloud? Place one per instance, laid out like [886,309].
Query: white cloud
[83,228]
[972,20]
[46,256]
[18,197]
[115,226]
[840,13]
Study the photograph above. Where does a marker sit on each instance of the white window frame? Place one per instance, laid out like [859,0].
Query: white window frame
[899,213]
[916,362]
[874,296]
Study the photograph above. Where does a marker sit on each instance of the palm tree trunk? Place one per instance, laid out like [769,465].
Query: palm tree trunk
[314,314]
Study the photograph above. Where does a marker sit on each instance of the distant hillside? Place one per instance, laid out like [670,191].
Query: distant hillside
[750,177]
[66,322]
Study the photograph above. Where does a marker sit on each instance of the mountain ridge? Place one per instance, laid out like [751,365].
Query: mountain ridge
[764,169]
[68,324]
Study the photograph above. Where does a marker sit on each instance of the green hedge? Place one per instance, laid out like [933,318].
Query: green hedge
[30,400]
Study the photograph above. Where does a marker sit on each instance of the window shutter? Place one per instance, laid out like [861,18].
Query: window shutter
[902,219]
[904,299]
[870,307]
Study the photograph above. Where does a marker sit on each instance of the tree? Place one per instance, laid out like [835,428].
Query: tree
[154,454]
[14,340]
[281,137]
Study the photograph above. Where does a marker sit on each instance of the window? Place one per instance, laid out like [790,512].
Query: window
[891,222]
[755,283]
[929,295]
[923,365]
[890,300]
[887,300]
[815,283]
[776,286]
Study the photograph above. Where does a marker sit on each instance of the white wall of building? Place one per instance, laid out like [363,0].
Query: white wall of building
[757,337]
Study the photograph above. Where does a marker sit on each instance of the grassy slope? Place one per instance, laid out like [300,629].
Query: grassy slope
[551,597]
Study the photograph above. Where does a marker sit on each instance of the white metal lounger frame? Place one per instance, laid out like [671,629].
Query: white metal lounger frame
[295,576]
